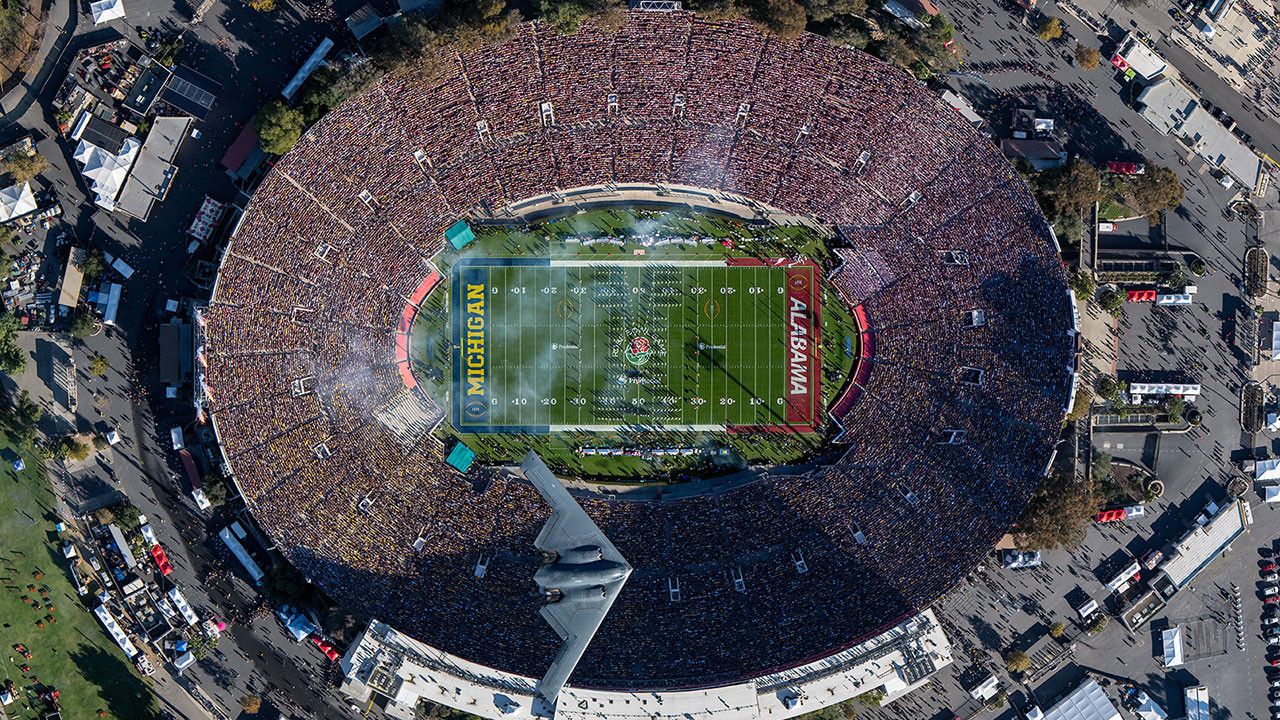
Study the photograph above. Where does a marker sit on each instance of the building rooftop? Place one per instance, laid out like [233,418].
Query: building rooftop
[153,172]
[1205,542]
[1087,702]
[1166,104]
[394,665]
[1221,148]
[1134,54]
[1173,109]
[151,81]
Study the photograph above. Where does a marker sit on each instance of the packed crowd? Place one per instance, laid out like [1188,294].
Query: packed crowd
[301,361]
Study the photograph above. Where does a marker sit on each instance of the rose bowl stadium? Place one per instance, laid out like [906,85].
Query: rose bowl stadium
[791,333]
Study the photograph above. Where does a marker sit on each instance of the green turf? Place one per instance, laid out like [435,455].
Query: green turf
[432,339]
[558,336]
[73,654]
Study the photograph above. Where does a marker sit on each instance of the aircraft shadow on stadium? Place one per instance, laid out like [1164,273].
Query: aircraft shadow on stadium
[781,616]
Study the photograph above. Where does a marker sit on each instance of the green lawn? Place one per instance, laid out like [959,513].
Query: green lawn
[73,654]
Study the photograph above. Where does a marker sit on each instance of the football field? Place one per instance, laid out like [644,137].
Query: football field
[554,345]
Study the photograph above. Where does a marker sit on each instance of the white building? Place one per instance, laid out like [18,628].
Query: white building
[390,664]
[1173,109]
[1133,54]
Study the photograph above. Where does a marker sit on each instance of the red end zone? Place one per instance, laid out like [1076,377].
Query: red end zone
[803,318]
[406,326]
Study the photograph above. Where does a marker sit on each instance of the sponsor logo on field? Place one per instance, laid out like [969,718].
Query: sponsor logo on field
[638,351]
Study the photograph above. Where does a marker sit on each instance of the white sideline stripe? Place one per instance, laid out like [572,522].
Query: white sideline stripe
[663,427]
[603,263]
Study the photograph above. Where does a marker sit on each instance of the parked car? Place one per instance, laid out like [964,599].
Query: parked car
[1015,560]
[1270,620]
[1270,577]
[1271,600]
[1268,567]
[1270,591]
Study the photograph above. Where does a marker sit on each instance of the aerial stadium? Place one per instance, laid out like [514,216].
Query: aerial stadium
[794,335]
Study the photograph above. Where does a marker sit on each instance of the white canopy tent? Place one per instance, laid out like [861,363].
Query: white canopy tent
[105,172]
[1148,709]
[1172,640]
[16,201]
[1271,493]
[1266,471]
[106,10]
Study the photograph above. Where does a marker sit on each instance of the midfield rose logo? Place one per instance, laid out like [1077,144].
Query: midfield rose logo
[638,351]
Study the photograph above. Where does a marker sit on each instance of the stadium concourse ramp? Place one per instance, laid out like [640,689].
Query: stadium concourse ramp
[389,668]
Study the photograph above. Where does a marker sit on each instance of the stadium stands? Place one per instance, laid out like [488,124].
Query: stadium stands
[338,239]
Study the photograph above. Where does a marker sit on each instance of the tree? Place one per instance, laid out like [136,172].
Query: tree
[1087,58]
[566,15]
[100,442]
[1072,188]
[1058,514]
[1156,190]
[68,447]
[1057,629]
[1050,29]
[99,365]
[1069,227]
[263,5]
[1112,301]
[853,35]
[6,235]
[715,9]
[1080,405]
[95,263]
[1175,407]
[22,419]
[784,18]
[329,86]
[81,325]
[1107,387]
[1017,661]
[251,704]
[1082,284]
[820,11]
[13,361]
[1100,469]
[279,127]
[23,167]
[215,491]
[127,516]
